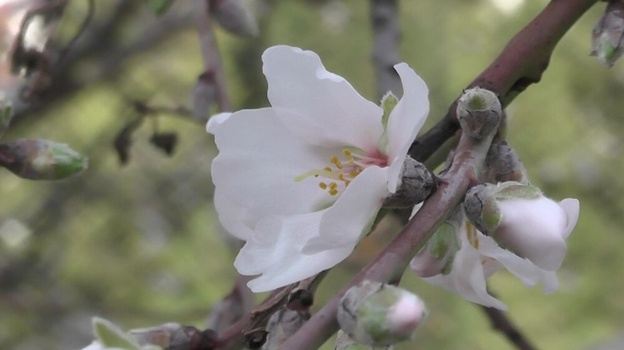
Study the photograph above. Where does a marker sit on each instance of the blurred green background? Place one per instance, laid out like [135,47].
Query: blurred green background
[138,244]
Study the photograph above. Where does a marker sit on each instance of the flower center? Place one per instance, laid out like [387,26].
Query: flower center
[341,170]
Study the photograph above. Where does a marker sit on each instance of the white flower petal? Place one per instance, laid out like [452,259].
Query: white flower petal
[216,121]
[235,219]
[534,229]
[329,111]
[571,207]
[275,252]
[353,213]
[467,278]
[522,268]
[406,120]
[258,163]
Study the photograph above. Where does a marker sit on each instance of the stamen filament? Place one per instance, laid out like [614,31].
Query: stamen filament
[341,171]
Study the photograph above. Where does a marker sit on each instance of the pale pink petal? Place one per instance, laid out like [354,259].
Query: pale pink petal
[405,121]
[353,213]
[329,112]
[425,265]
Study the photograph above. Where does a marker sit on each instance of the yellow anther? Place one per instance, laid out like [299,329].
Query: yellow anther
[335,161]
[341,177]
[347,153]
[323,185]
[327,169]
[333,192]
[333,186]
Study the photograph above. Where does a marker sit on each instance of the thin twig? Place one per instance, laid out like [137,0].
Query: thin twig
[501,323]
[520,64]
[210,52]
[386,34]
[83,27]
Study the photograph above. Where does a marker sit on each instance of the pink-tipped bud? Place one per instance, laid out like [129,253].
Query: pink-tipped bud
[378,314]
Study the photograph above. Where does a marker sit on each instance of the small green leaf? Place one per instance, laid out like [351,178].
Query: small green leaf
[388,102]
[111,336]
[160,7]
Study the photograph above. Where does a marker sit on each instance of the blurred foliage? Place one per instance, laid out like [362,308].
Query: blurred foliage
[138,244]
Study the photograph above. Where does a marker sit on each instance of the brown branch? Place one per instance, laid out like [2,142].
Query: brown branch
[501,323]
[520,64]
[386,34]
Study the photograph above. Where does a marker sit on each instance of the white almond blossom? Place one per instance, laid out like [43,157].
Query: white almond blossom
[480,257]
[302,181]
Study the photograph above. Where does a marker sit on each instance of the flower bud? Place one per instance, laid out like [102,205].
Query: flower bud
[479,112]
[377,314]
[283,324]
[175,336]
[344,342]
[503,164]
[415,185]
[438,254]
[6,113]
[37,159]
[520,219]
[235,17]
[608,34]
[203,96]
